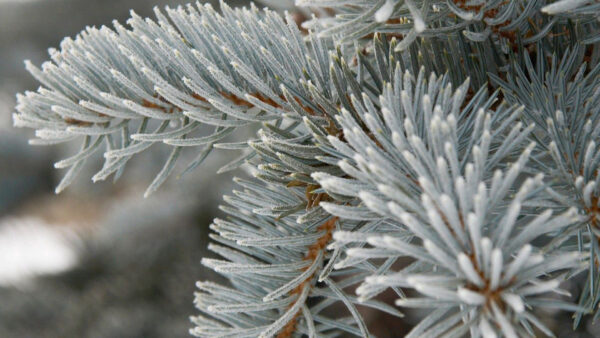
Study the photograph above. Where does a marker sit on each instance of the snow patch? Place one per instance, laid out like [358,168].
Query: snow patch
[29,247]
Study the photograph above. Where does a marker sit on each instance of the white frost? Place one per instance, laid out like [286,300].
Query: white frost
[385,11]
[563,6]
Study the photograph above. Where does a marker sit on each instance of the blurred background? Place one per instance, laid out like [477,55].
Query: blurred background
[99,260]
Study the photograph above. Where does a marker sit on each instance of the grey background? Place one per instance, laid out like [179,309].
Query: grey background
[139,258]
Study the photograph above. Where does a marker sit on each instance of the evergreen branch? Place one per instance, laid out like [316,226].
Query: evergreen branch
[195,67]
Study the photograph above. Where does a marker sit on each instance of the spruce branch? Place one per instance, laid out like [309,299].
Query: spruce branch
[568,128]
[483,177]
[508,23]
[470,241]
[162,80]
[274,266]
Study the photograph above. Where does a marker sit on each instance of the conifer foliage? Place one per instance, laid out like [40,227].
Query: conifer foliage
[443,151]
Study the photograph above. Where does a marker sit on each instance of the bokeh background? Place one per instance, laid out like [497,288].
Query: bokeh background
[99,260]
